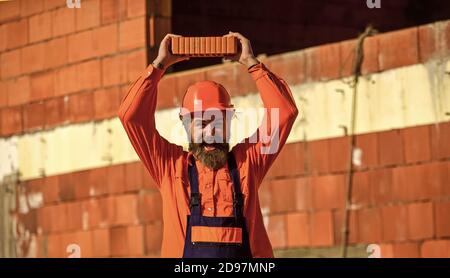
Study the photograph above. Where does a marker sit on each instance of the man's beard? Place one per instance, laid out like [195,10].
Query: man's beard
[213,159]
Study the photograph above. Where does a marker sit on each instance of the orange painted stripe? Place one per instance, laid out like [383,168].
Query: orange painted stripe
[216,234]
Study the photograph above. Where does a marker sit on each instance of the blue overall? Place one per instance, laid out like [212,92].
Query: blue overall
[216,249]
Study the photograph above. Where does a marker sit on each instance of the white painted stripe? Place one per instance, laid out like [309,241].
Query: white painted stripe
[399,98]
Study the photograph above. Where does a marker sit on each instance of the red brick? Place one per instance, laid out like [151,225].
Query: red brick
[56,112]
[11,120]
[283,165]
[303,193]
[126,209]
[105,40]
[113,10]
[347,50]
[416,141]
[338,219]
[98,212]
[101,243]
[88,74]
[51,189]
[442,215]
[283,195]
[81,46]
[40,27]
[82,189]
[98,181]
[391,147]
[31,7]
[51,4]
[406,250]
[395,223]
[3,94]
[63,21]
[56,51]
[88,16]
[3,38]
[328,191]
[322,231]
[339,155]
[132,34]
[74,218]
[398,49]
[86,243]
[42,86]
[116,178]
[368,145]
[13,60]
[150,207]
[361,189]
[34,116]
[136,8]
[411,183]
[114,70]
[18,90]
[106,103]
[127,241]
[16,33]
[328,62]
[9,10]
[133,176]
[67,185]
[153,238]
[54,247]
[291,67]
[64,80]
[369,229]
[371,55]
[33,57]
[276,229]
[81,107]
[297,228]
[136,63]
[440,136]
[318,153]
[427,42]
[435,249]
[381,181]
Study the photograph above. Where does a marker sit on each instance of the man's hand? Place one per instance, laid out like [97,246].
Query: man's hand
[165,59]
[245,54]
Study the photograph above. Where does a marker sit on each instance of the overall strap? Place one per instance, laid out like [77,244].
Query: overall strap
[195,202]
[238,197]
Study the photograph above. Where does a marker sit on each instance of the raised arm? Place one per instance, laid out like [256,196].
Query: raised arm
[137,114]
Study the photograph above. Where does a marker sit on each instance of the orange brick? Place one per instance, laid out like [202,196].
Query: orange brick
[405,51]
[353,233]
[303,193]
[106,103]
[34,116]
[153,238]
[381,181]
[57,111]
[98,212]
[276,230]
[368,145]
[81,46]
[101,243]
[297,229]
[328,191]
[435,249]
[132,34]
[290,67]
[149,182]
[40,27]
[31,7]
[282,195]
[42,86]
[66,80]
[114,70]
[168,88]
[406,250]
[74,216]
[369,229]
[150,207]
[390,147]
[427,42]
[442,214]
[98,181]
[395,223]
[3,37]
[16,33]
[113,10]
[11,120]
[136,8]
[88,16]
[339,154]
[54,247]
[51,189]
[33,57]
[81,107]
[105,40]
[51,4]
[63,21]
[420,220]
[318,157]
[56,51]
[126,210]
[13,60]
[133,176]
[322,231]
[361,189]
[416,141]
[440,136]
[88,74]
[18,90]
[136,63]
[116,178]
[3,94]
[67,185]
[9,10]
[127,241]
[371,53]
[83,187]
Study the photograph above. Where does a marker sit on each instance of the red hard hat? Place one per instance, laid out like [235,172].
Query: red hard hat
[205,95]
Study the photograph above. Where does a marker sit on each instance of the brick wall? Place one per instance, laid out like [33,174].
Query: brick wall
[66,67]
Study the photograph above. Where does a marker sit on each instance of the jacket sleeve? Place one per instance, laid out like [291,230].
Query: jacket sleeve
[278,102]
[137,114]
